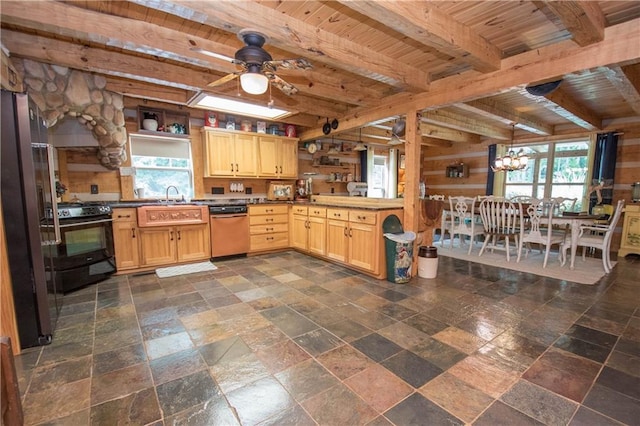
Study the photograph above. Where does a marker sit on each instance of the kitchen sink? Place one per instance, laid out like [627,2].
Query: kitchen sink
[172,214]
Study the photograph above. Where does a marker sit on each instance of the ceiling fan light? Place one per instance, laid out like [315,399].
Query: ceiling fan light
[395,140]
[254,83]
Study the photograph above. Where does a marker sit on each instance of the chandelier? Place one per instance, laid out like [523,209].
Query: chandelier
[511,161]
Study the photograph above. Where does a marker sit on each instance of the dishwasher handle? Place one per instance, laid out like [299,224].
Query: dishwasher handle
[227,216]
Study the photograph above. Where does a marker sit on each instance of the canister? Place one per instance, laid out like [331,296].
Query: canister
[245,125]
[427,262]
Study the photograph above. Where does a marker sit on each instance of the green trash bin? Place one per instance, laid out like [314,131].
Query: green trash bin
[398,250]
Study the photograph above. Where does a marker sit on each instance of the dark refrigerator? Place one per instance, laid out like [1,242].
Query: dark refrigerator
[28,189]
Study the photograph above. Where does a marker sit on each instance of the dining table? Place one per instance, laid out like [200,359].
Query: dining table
[574,219]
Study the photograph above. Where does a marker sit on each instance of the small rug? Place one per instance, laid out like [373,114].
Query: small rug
[190,268]
[588,272]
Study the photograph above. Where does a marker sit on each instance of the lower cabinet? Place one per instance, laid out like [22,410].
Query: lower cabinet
[166,245]
[125,239]
[309,229]
[268,227]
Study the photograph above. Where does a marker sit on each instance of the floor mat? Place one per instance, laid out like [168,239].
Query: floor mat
[190,268]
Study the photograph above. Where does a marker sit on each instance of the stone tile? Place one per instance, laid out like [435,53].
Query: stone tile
[540,404]
[345,361]
[236,370]
[57,402]
[460,339]
[260,400]
[137,408]
[621,382]
[438,353]
[119,358]
[119,383]
[411,368]
[613,404]
[348,330]
[373,320]
[625,363]
[281,356]
[306,379]
[52,376]
[186,392]
[215,411]
[501,414]
[587,417]
[289,321]
[415,409]
[338,406]
[176,365]
[481,373]
[263,337]
[167,345]
[456,396]
[162,328]
[293,416]
[585,349]
[376,347]
[378,387]
[403,335]
[318,341]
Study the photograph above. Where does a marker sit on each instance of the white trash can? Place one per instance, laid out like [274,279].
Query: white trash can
[427,262]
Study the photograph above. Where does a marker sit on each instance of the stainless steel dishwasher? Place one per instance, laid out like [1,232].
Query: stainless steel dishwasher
[229,230]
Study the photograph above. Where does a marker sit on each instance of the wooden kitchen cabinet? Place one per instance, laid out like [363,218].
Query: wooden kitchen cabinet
[268,227]
[277,157]
[309,229]
[125,239]
[167,245]
[230,153]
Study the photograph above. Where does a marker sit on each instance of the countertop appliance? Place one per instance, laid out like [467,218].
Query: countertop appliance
[357,189]
[85,254]
[229,230]
[28,189]
[280,191]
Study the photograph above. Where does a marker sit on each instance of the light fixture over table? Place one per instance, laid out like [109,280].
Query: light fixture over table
[360,146]
[511,161]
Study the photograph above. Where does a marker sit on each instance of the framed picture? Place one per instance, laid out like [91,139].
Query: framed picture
[402,161]
[261,127]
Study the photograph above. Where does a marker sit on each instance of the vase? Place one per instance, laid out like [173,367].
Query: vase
[150,124]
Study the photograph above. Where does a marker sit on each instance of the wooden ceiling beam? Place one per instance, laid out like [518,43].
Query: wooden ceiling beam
[141,90]
[583,19]
[425,23]
[297,37]
[627,81]
[156,41]
[465,124]
[438,132]
[427,141]
[496,111]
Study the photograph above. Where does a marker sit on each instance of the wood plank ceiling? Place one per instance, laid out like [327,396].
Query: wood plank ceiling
[463,65]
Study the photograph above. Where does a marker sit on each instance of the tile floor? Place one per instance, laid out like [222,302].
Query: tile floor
[287,339]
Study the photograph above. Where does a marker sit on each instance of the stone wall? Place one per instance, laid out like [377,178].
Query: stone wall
[62,93]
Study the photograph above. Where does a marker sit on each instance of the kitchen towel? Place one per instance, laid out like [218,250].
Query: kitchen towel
[190,268]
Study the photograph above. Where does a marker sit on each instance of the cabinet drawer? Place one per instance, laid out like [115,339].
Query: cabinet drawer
[302,210]
[125,215]
[269,229]
[317,212]
[269,241]
[340,214]
[363,216]
[268,209]
[268,219]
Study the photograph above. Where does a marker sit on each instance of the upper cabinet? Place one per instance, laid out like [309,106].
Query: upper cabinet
[278,157]
[232,153]
[161,121]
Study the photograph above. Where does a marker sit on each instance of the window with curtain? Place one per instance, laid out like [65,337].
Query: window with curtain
[160,162]
[556,169]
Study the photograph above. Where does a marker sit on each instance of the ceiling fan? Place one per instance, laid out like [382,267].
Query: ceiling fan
[257,66]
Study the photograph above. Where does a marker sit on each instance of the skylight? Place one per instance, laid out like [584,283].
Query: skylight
[217,103]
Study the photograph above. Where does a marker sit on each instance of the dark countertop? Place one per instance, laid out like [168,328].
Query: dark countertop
[209,202]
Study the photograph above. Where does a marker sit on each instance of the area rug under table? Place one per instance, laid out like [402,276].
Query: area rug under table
[587,272]
[190,268]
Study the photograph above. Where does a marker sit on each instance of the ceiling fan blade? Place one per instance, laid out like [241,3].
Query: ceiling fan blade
[223,80]
[213,54]
[286,88]
[289,64]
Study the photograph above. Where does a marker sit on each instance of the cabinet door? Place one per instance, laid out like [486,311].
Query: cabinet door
[219,154]
[246,155]
[157,246]
[193,242]
[125,242]
[362,247]
[268,155]
[317,235]
[288,165]
[298,231]
[337,239]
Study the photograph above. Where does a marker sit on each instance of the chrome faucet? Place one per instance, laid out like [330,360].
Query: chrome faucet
[168,188]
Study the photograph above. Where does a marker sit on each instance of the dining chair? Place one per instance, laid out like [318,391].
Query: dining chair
[599,237]
[501,220]
[463,220]
[520,199]
[565,204]
[541,232]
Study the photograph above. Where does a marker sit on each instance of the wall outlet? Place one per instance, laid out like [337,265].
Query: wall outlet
[94,189]
[248,190]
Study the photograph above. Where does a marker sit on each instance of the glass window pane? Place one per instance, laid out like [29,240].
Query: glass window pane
[569,169]
[522,176]
[572,146]
[156,181]
[542,173]
[569,191]
[511,191]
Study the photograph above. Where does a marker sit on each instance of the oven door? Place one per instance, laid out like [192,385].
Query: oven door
[83,241]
